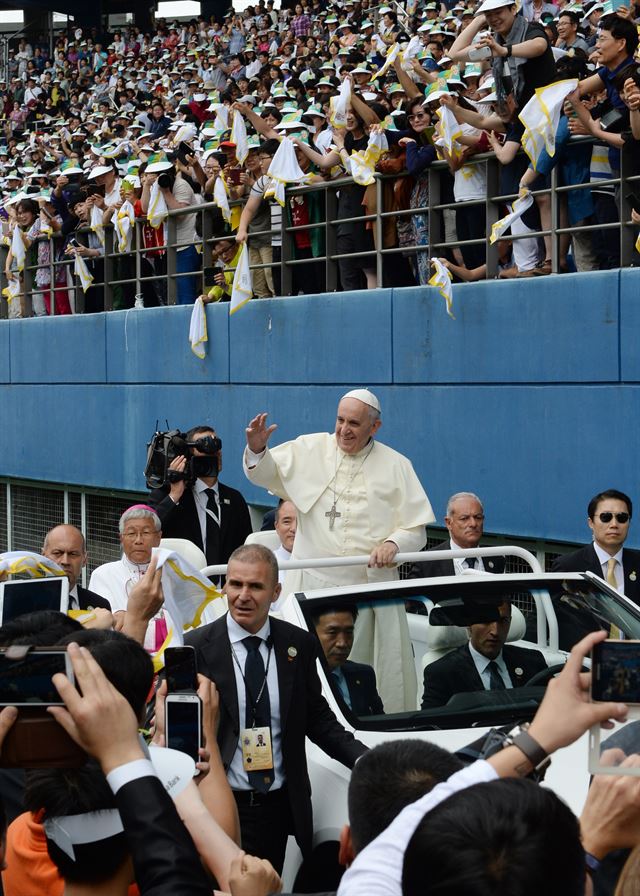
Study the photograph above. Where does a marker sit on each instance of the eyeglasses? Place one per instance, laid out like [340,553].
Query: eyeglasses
[417,115]
[606,516]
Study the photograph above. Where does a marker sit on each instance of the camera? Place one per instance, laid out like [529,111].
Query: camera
[164,447]
[164,181]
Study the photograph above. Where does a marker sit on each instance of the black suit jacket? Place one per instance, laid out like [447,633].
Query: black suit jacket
[88,600]
[303,709]
[361,682]
[181,520]
[164,857]
[456,673]
[431,569]
[586,560]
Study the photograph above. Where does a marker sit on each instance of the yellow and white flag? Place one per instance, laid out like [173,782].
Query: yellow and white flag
[411,51]
[221,122]
[125,223]
[392,54]
[541,117]
[82,272]
[95,222]
[198,329]
[519,207]
[241,291]
[17,248]
[450,130]
[340,105]
[221,198]
[187,593]
[239,137]
[442,280]
[28,563]
[12,291]
[157,212]
[363,163]
[284,169]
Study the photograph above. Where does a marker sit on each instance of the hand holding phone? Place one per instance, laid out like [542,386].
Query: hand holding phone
[183,724]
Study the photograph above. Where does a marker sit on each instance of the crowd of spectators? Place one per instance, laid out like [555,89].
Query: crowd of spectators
[113,128]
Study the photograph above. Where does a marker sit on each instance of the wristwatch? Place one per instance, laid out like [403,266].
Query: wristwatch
[538,757]
[509,48]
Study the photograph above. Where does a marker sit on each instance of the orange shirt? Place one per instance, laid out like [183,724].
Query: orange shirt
[29,869]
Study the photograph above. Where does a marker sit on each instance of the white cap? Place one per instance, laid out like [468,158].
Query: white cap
[488,5]
[365,396]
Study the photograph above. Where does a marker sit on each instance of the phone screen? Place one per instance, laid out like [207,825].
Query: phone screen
[27,596]
[615,671]
[181,670]
[28,681]
[182,726]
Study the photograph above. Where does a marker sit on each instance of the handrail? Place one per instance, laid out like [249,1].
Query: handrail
[135,279]
[411,557]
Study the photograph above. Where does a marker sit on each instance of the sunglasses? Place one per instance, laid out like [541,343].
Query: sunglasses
[607,516]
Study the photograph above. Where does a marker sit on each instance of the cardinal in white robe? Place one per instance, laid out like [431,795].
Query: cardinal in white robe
[353,496]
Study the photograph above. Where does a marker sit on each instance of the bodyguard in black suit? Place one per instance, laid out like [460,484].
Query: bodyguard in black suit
[355,683]
[65,545]
[465,521]
[457,672]
[277,800]
[219,522]
[609,517]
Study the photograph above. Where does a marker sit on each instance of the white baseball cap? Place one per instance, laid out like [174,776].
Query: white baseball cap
[489,5]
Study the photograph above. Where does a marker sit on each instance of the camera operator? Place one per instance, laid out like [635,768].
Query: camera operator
[200,508]
[177,193]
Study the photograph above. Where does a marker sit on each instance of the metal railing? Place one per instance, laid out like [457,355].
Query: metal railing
[125,272]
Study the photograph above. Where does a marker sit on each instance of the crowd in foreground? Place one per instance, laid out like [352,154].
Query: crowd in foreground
[128,127]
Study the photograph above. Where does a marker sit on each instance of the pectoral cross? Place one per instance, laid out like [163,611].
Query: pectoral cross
[332,514]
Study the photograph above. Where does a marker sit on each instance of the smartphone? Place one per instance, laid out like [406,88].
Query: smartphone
[634,201]
[74,242]
[234,176]
[183,151]
[27,681]
[615,672]
[478,53]
[181,669]
[209,276]
[183,723]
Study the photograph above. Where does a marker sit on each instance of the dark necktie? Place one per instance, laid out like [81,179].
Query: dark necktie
[212,547]
[258,711]
[471,562]
[496,681]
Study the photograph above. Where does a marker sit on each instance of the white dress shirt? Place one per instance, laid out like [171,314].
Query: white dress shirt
[200,499]
[618,569]
[482,663]
[460,563]
[236,775]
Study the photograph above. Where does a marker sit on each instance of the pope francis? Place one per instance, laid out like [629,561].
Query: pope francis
[354,496]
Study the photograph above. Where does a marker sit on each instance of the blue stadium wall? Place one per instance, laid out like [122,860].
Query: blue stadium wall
[530,397]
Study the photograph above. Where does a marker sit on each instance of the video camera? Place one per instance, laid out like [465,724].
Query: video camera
[164,447]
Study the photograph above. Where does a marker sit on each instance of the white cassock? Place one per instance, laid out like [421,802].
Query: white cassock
[114,581]
[378,498]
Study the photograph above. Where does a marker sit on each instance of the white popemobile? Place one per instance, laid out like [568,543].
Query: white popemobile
[549,613]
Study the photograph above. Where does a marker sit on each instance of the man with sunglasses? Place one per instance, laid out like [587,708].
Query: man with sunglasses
[609,516]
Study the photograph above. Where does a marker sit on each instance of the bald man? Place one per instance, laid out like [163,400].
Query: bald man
[65,545]
[353,496]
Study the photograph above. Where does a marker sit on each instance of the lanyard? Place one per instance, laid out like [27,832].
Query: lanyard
[264,680]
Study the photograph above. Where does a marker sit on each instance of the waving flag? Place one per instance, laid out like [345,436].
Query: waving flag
[157,211]
[221,198]
[541,117]
[125,222]
[442,280]
[241,291]
[198,329]
[284,169]
[519,207]
[28,563]
[340,105]
[239,137]
[81,271]
[17,248]
[95,222]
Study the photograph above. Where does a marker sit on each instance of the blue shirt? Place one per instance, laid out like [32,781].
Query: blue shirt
[608,77]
